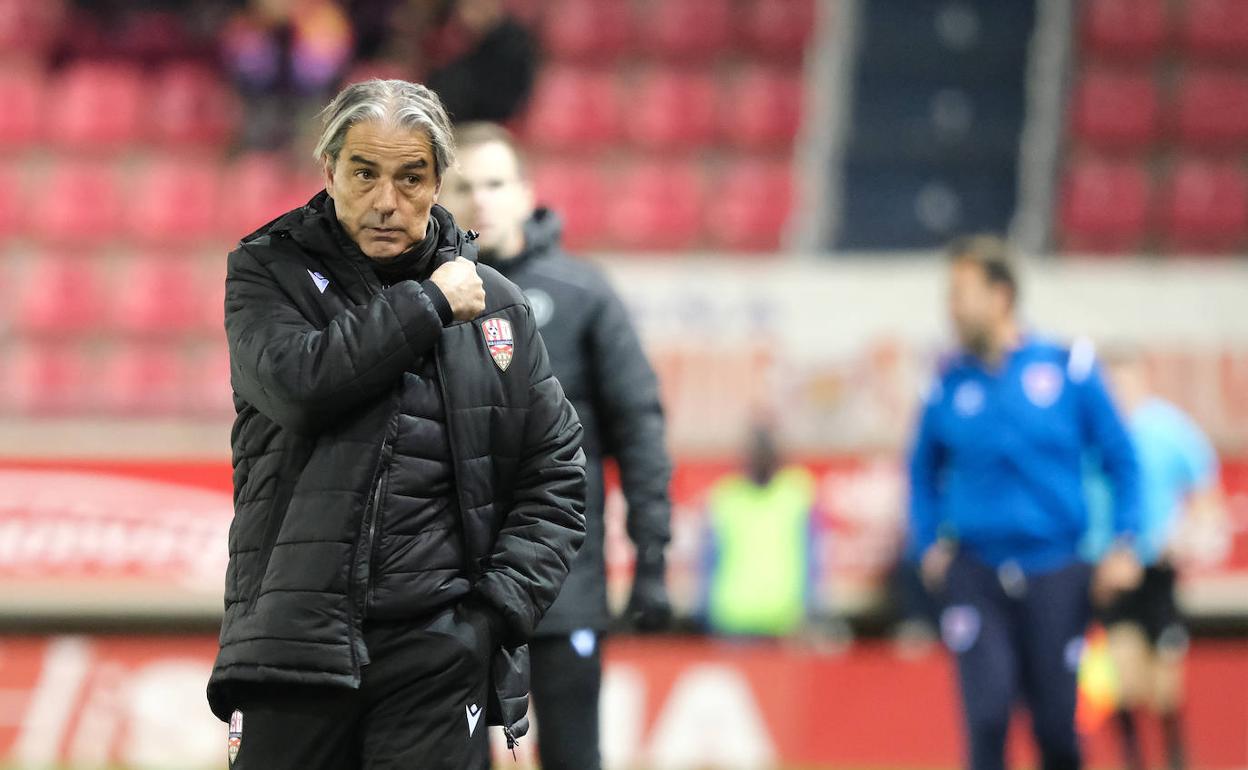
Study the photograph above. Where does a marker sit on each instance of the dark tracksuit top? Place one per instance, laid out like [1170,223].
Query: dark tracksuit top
[597,356]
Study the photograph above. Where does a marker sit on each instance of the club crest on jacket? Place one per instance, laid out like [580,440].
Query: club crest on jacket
[499,341]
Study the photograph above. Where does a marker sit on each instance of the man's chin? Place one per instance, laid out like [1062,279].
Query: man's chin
[383,251]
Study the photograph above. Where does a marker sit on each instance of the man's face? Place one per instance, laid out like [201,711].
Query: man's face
[383,185]
[486,193]
[976,306]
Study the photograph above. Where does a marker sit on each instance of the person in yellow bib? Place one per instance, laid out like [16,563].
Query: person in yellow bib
[761,556]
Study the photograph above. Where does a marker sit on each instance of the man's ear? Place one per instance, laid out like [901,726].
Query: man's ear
[327,172]
[437,189]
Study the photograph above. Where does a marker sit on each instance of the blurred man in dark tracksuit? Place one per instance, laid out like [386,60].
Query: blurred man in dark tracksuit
[597,356]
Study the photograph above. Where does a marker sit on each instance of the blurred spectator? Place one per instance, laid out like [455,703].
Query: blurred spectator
[280,53]
[761,547]
[1182,521]
[492,79]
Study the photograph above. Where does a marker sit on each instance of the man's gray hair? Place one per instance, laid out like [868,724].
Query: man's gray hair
[398,102]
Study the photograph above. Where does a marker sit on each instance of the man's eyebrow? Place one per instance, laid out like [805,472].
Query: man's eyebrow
[422,163]
[362,160]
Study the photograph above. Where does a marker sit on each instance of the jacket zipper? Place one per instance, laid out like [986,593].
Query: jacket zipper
[470,563]
[357,609]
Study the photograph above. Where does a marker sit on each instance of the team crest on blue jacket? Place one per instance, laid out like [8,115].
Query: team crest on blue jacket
[499,341]
[1042,382]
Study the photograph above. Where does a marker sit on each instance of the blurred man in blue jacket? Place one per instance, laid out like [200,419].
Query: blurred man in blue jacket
[997,509]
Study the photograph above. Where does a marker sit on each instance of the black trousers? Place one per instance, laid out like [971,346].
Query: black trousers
[421,704]
[1017,637]
[567,677]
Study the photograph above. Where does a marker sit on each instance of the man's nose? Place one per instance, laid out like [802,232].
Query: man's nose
[386,199]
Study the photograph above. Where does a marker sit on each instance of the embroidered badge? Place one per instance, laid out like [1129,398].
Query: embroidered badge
[236,735]
[498,339]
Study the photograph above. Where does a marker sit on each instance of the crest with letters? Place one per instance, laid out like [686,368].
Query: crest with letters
[236,735]
[499,341]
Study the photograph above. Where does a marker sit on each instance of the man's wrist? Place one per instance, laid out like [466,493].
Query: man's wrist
[440,303]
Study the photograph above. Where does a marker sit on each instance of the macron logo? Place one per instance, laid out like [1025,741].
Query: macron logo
[321,281]
[474,716]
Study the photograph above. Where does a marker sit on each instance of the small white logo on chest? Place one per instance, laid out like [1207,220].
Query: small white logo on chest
[1043,384]
[321,281]
[474,716]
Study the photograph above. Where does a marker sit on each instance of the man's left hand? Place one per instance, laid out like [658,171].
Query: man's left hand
[649,608]
[1118,572]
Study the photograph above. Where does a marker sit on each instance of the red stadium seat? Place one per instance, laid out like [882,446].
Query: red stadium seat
[763,108]
[45,379]
[657,207]
[673,110]
[1215,29]
[97,106]
[687,30]
[750,206]
[260,188]
[208,381]
[210,304]
[574,109]
[588,30]
[1105,206]
[776,30]
[59,296]
[1125,29]
[575,191]
[175,201]
[157,295]
[78,201]
[1205,207]
[22,94]
[191,106]
[1212,110]
[12,201]
[1116,110]
[141,379]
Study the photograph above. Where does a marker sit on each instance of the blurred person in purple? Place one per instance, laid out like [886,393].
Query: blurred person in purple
[284,54]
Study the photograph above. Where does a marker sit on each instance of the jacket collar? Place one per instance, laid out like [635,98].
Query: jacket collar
[543,236]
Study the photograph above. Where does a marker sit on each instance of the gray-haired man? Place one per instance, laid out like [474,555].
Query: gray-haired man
[409,484]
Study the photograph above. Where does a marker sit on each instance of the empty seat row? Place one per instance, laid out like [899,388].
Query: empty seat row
[1115,206]
[176,203]
[145,295]
[122,379]
[677,30]
[758,108]
[167,200]
[1117,109]
[669,206]
[101,106]
[1209,30]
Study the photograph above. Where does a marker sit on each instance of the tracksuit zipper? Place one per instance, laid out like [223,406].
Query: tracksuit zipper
[470,563]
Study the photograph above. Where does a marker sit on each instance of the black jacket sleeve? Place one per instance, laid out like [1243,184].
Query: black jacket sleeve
[302,377]
[546,524]
[631,416]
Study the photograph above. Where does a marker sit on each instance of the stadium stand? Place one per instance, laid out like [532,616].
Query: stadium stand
[1160,103]
[123,183]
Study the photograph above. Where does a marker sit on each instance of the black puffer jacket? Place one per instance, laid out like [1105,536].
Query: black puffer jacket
[317,349]
[597,356]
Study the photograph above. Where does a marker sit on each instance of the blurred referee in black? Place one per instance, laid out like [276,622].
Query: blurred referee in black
[597,356]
